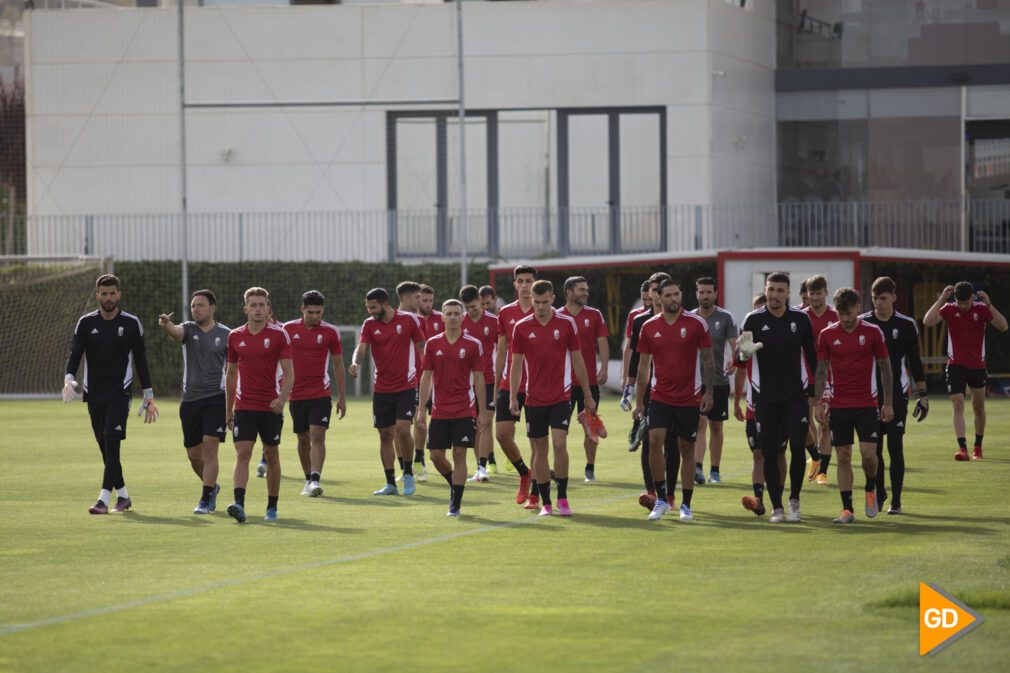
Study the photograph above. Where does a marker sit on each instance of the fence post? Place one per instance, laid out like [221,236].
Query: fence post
[89,231]
[391,235]
[698,219]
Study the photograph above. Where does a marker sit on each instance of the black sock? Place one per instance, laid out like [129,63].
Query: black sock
[590,467]
[713,468]
[314,476]
[271,501]
[562,488]
[308,476]
[759,491]
[457,496]
[685,495]
[962,443]
[398,458]
[207,492]
[825,462]
[978,441]
[871,484]
[812,450]
[521,467]
[419,456]
[847,500]
[240,496]
[448,478]
[482,462]
[660,488]
[545,493]
[490,458]
[408,468]
[391,476]
[896,449]
[699,466]
[535,488]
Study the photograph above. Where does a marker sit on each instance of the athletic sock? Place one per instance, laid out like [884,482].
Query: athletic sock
[408,468]
[699,466]
[272,501]
[482,462]
[308,476]
[419,456]
[591,467]
[545,493]
[978,441]
[825,462]
[457,496]
[240,496]
[562,488]
[314,476]
[962,443]
[759,491]
[521,467]
[401,461]
[490,458]
[713,468]
[208,491]
[121,492]
[685,496]
[105,495]
[660,488]
[812,450]
[390,476]
[534,487]
[847,500]
[871,484]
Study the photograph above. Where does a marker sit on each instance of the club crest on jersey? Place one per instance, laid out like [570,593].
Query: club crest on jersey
[120,330]
[683,332]
[399,329]
[217,341]
[894,333]
[974,316]
[557,335]
[862,340]
[792,326]
[462,353]
[319,338]
[487,330]
[717,323]
[266,343]
[586,321]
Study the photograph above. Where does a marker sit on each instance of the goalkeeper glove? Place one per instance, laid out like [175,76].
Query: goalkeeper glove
[626,400]
[69,388]
[746,347]
[921,408]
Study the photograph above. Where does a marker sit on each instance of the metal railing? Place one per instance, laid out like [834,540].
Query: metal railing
[513,233]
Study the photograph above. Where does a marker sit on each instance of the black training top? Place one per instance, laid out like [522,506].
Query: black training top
[111,347]
[785,365]
[901,335]
[636,330]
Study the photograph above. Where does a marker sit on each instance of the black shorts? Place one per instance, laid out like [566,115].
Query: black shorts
[579,402]
[720,404]
[781,423]
[539,420]
[681,421]
[958,377]
[502,412]
[265,424]
[310,412]
[388,408]
[897,424]
[445,433]
[751,431]
[108,417]
[202,418]
[844,423]
[488,396]
[427,405]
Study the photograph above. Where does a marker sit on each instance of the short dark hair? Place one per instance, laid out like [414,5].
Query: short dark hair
[883,285]
[427,289]
[105,280]
[207,294]
[705,280]
[542,287]
[817,282]
[963,291]
[313,298]
[645,286]
[777,277]
[803,286]
[468,293]
[523,268]
[377,294]
[452,302]
[667,282]
[488,291]
[845,299]
[572,281]
[657,278]
[407,287]
[759,300]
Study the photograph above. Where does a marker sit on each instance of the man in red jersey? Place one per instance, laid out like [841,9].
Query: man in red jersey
[592,340]
[488,299]
[545,351]
[626,374]
[453,380]
[395,338]
[433,324]
[523,278]
[854,350]
[482,326]
[677,344]
[966,319]
[409,293]
[818,439]
[314,342]
[254,398]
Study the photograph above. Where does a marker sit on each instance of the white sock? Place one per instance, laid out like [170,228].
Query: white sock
[121,492]
[105,496]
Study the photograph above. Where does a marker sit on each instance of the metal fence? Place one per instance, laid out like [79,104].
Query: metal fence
[974,226]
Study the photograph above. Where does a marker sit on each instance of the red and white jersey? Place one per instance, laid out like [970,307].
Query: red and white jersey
[547,365]
[508,316]
[311,348]
[966,334]
[394,352]
[829,316]
[433,324]
[853,358]
[635,312]
[258,357]
[591,327]
[676,360]
[484,330]
[452,365]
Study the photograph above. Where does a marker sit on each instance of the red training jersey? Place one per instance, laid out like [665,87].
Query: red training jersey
[966,334]
[676,361]
[853,357]
[311,348]
[591,327]
[452,365]
[433,324]
[829,316]
[394,352]
[485,331]
[635,312]
[508,316]
[257,357]
[547,365]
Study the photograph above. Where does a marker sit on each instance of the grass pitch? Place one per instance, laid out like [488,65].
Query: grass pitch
[352,582]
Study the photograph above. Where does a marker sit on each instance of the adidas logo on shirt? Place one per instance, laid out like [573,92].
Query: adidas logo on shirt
[901,424]
[836,343]
[873,436]
[465,439]
[277,438]
[378,331]
[804,420]
[533,335]
[438,352]
[766,328]
[657,335]
[410,413]
[94,330]
[297,336]
[220,429]
[324,420]
[119,428]
[241,344]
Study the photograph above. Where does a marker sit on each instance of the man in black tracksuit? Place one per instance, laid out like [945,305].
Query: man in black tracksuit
[111,342]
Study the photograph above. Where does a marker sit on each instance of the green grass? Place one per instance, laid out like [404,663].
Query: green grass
[350,582]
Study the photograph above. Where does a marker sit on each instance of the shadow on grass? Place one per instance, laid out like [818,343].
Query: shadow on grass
[194,521]
[302,525]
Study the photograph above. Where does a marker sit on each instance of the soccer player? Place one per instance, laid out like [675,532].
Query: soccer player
[255,398]
[523,278]
[901,335]
[626,372]
[488,299]
[676,344]
[453,380]
[395,338]
[818,438]
[261,469]
[782,340]
[966,319]
[482,326]
[111,341]
[409,295]
[204,360]
[722,329]
[313,343]
[433,324]
[853,349]
[804,297]
[595,355]
[545,351]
